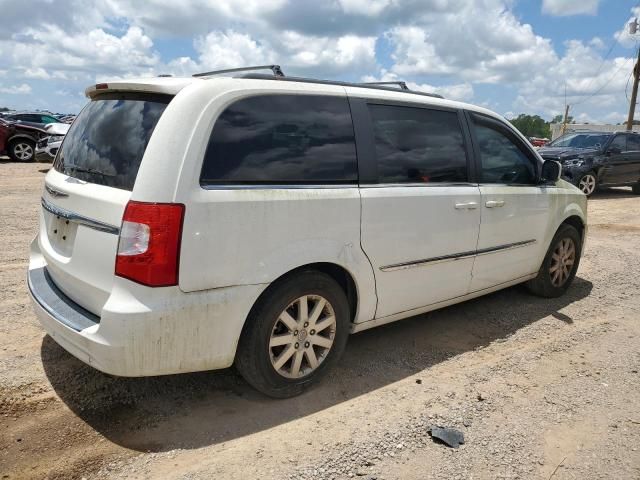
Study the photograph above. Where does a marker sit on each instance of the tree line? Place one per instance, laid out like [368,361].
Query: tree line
[536,126]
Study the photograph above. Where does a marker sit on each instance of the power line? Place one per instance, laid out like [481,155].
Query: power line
[613,44]
[624,64]
[626,88]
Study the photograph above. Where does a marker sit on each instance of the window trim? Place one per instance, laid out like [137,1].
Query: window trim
[510,132]
[277,185]
[365,142]
[629,136]
[613,139]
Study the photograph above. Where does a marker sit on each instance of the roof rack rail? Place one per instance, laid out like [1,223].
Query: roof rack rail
[277,71]
[262,76]
[402,85]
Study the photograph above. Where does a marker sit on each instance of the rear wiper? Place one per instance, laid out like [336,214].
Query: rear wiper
[77,168]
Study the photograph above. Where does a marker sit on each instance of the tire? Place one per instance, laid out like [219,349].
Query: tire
[258,360]
[22,150]
[550,284]
[588,183]
[636,188]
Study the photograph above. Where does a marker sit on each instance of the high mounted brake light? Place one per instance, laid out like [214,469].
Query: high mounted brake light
[102,86]
[149,243]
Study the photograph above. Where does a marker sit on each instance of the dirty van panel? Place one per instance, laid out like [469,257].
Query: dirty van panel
[87,190]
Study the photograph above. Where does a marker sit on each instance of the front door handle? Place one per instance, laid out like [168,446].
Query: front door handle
[494,203]
[467,205]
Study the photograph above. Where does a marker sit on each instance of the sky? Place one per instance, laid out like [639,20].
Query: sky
[512,56]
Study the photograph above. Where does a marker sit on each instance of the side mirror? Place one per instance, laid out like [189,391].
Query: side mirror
[551,171]
[614,150]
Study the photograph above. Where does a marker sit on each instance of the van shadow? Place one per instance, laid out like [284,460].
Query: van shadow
[187,411]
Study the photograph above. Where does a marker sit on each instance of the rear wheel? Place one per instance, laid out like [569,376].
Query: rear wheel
[560,264]
[296,331]
[636,188]
[22,150]
[588,183]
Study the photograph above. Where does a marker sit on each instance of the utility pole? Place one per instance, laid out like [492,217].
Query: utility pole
[633,28]
[566,112]
[566,118]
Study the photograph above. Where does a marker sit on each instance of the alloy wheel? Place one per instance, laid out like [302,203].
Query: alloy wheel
[23,151]
[587,184]
[562,260]
[302,336]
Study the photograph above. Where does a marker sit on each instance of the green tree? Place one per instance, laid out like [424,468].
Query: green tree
[532,126]
[560,118]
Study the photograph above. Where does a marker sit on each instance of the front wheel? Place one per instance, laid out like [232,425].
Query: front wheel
[560,264]
[588,183]
[296,331]
[22,150]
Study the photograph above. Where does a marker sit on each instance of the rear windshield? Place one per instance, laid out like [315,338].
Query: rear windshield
[107,140]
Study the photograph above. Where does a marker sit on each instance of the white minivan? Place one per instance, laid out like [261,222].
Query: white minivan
[256,219]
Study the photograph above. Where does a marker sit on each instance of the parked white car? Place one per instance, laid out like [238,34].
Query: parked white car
[47,148]
[193,223]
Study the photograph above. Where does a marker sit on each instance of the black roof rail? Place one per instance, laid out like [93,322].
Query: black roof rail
[261,76]
[402,85]
[277,71]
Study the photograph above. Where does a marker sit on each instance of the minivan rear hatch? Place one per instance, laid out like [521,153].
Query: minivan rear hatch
[87,191]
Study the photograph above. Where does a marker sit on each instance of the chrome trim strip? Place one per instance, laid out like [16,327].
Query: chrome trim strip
[53,192]
[81,219]
[456,256]
[433,184]
[276,187]
[331,186]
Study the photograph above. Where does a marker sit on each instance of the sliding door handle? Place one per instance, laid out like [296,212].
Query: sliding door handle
[494,203]
[466,205]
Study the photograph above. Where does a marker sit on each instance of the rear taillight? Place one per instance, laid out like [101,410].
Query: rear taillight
[149,244]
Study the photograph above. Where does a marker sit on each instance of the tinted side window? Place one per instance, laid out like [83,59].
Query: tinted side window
[633,143]
[619,141]
[417,145]
[502,160]
[282,139]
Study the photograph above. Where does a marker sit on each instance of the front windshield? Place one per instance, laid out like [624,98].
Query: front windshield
[580,140]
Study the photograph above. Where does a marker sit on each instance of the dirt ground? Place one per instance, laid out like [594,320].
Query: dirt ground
[540,388]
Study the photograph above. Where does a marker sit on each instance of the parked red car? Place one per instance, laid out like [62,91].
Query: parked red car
[538,142]
[19,141]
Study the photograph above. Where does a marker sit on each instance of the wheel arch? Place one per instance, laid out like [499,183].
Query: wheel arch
[341,275]
[577,222]
[21,136]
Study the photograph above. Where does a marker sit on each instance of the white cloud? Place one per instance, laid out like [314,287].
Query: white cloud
[50,49]
[459,48]
[479,42]
[231,49]
[370,8]
[462,91]
[305,54]
[570,7]
[22,89]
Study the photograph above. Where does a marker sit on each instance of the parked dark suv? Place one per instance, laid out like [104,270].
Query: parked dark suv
[32,119]
[594,159]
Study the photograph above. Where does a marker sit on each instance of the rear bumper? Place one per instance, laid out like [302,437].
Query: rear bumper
[144,331]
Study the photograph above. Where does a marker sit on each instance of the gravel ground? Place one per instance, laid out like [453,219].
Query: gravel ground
[540,388]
